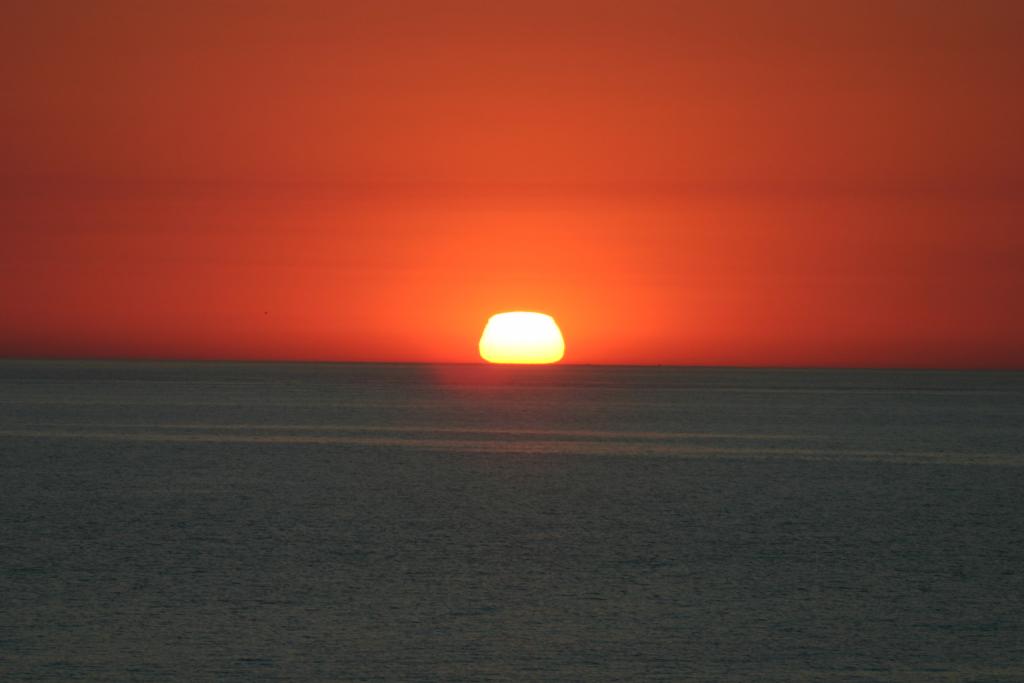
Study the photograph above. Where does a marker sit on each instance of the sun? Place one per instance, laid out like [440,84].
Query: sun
[522,337]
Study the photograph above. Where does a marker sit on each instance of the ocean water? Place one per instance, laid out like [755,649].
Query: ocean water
[215,521]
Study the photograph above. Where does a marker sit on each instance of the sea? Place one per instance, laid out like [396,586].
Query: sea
[386,522]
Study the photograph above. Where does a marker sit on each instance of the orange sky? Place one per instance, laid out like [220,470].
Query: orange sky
[742,183]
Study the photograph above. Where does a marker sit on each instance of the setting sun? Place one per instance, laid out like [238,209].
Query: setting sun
[522,337]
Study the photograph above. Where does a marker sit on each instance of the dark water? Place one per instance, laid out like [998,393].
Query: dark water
[433,523]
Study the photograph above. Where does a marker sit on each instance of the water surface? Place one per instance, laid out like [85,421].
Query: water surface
[411,522]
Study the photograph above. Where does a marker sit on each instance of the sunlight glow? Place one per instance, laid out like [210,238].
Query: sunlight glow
[522,337]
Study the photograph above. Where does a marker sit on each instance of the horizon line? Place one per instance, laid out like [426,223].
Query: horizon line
[482,363]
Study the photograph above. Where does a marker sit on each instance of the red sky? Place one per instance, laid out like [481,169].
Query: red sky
[742,183]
